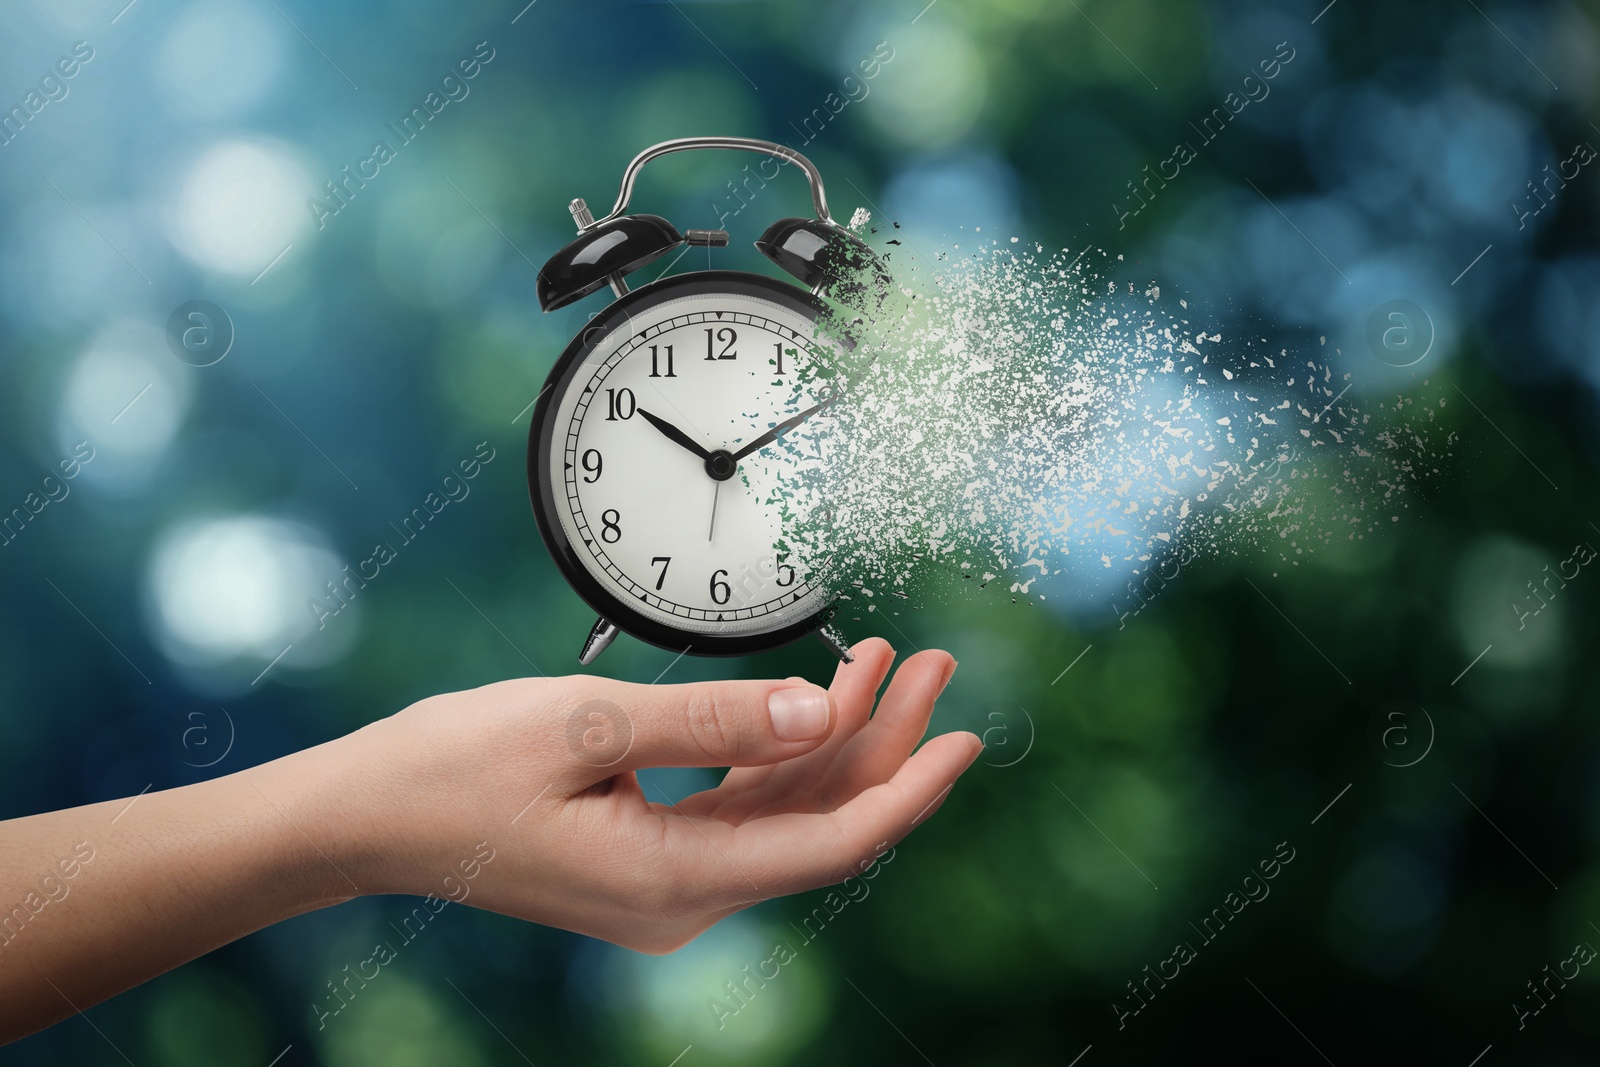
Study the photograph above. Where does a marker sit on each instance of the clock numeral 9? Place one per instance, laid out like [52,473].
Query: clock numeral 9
[729,337]
[594,467]
[721,592]
[611,526]
[782,566]
[655,368]
[619,404]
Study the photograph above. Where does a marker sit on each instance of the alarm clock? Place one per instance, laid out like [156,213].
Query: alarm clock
[661,440]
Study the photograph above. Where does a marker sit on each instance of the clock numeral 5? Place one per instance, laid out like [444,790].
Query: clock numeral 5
[729,337]
[655,368]
[665,561]
[619,404]
[611,526]
[782,566]
[593,468]
[721,592]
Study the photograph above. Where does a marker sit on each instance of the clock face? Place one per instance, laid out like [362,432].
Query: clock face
[664,492]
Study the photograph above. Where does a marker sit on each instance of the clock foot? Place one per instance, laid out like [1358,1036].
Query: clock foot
[604,632]
[835,642]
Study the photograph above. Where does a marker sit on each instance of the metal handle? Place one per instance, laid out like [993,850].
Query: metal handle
[745,144]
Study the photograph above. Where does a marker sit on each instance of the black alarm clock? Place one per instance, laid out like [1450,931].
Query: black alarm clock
[656,455]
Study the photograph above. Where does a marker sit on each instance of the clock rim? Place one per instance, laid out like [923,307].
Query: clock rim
[541,490]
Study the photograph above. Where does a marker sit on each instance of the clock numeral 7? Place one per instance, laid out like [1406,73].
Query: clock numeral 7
[665,561]
[655,368]
[729,337]
[620,404]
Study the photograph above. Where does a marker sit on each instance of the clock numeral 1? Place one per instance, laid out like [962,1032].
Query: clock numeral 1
[655,370]
[620,404]
[665,561]
[611,526]
[592,468]
[721,592]
[779,347]
[729,337]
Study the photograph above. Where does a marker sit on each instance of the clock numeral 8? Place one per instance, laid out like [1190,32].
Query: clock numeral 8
[620,404]
[593,468]
[610,526]
[721,592]
[729,337]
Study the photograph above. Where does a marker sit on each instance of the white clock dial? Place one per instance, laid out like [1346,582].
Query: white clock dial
[687,378]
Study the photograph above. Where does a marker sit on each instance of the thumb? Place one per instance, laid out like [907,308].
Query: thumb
[721,724]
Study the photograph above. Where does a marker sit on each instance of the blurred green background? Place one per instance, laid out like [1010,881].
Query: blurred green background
[156,629]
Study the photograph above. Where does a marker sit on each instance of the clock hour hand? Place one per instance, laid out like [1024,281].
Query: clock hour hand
[675,435]
[782,428]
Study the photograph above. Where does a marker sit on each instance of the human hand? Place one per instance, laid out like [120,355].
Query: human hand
[542,770]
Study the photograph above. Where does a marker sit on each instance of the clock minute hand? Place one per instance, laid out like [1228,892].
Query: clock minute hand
[783,427]
[675,435]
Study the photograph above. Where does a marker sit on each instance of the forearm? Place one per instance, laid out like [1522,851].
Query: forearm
[97,899]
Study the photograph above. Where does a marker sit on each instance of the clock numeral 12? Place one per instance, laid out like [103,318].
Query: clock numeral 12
[655,370]
[729,337]
[620,404]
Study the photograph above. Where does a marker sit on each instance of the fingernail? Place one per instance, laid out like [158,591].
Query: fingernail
[799,714]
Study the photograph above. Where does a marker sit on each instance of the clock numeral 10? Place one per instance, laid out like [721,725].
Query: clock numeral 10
[729,337]
[620,404]
[721,591]
[655,369]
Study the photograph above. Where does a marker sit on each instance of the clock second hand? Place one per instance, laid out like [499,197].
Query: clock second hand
[716,494]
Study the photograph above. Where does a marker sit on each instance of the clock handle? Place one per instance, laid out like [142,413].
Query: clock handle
[601,635]
[819,197]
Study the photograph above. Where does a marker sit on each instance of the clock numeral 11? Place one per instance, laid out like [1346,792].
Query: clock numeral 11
[655,369]
[729,337]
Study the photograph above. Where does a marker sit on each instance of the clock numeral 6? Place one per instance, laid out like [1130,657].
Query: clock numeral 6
[729,337]
[619,404]
[721,592]
[593,467]
[610,526]
[665,561]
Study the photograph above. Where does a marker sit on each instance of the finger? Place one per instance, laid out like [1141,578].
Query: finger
[854,687]
[876,753]
[716,724]
[793,853]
